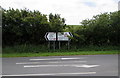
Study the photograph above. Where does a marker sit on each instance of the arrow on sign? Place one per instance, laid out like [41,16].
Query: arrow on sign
[50,36]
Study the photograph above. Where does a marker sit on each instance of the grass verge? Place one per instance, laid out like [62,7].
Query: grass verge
[59,53]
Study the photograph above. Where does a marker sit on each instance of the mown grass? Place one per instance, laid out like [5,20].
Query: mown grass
[58,53]
[42,50]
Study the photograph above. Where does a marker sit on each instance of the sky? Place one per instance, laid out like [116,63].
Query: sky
[74,11]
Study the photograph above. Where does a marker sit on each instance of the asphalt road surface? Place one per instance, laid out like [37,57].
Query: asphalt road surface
[83,65]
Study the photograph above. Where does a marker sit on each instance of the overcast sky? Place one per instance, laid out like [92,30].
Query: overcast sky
[74,11]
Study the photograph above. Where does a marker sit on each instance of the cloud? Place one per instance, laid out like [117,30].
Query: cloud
[74,11]
[90,4]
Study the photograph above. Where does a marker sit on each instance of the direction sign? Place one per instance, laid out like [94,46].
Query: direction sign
[62,36]
[50,36]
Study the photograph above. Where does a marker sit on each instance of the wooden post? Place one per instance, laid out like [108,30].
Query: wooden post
[56,39]
[68,44]
[54,45]
[59,45]
[48,44]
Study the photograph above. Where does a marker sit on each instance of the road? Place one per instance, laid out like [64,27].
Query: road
[82,65]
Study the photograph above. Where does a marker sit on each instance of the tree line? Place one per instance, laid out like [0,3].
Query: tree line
[22,26]
[102,29]
[28,27]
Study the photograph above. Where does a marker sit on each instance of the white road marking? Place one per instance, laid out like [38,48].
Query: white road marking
[29,63]
[70,58]
[88,66]
[52,62]
[69,62]
[79,73]
[56,59]
[29,75]
[84,66]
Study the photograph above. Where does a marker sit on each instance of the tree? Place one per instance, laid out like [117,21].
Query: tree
[115,28]
[102,29]
[24,26]
[28,27]
[56,22]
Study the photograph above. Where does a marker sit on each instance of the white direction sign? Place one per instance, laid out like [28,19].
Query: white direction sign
[62,36]
[51,36]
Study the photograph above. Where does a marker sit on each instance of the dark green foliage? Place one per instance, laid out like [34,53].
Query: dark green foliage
[57,23]
[103,29]
[28,27]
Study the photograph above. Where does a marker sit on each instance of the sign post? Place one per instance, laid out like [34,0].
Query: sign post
[51,37]
[58,37]
[68,44]
[59,44]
